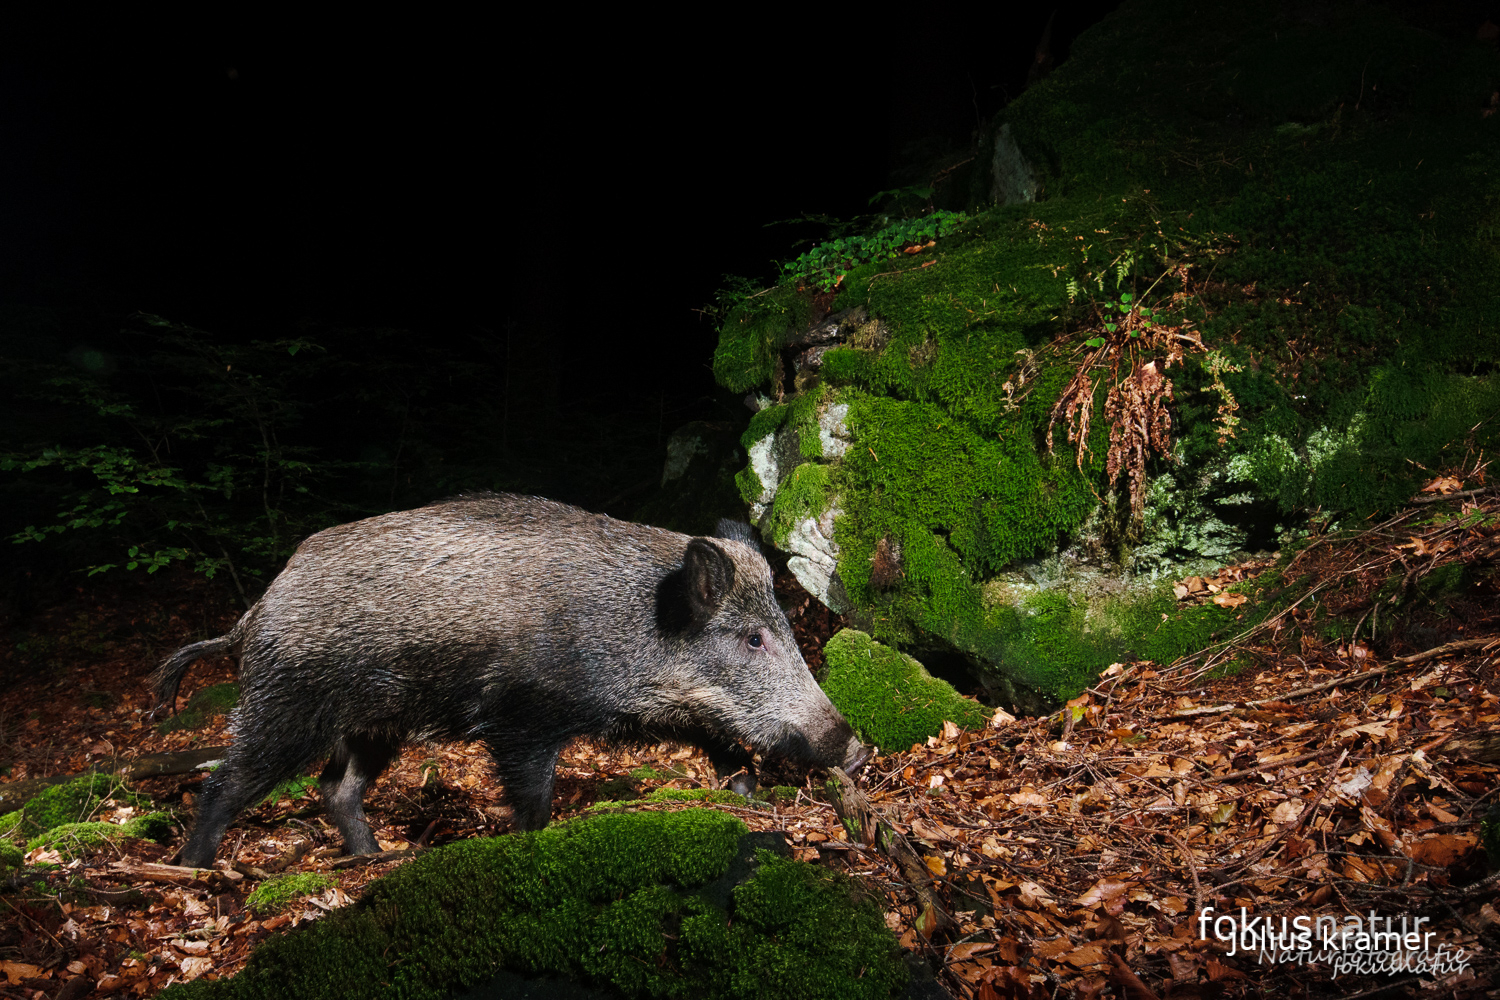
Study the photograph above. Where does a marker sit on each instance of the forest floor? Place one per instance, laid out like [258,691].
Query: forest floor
[1339,779]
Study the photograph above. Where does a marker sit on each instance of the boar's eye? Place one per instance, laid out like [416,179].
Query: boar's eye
[755,641]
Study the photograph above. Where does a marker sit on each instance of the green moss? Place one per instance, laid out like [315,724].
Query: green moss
[803,494]
[611,899]
[11,856]
[75,801]
[753,333]
[648,773]
[202,708]
[74,839]
[10,823]
[277,893]
[890,699]
[1335,243]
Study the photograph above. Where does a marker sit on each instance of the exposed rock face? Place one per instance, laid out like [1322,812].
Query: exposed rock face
[1012,180]
[1005,445]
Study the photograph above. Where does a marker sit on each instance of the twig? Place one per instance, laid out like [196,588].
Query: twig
[1434,498]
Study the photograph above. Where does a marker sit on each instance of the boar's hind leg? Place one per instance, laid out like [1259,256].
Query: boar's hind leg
[352,768]
[527,774]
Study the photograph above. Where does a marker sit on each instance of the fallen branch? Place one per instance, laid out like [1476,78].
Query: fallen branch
[867,826]
[1396,662]
[153,872]
[358,860]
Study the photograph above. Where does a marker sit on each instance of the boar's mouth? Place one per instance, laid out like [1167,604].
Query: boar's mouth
[837,749]
[858,757]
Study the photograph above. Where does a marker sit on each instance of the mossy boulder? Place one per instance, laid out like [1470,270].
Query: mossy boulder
[678,904]
[75,801]
[889,698]
[1298,213]
[74,839]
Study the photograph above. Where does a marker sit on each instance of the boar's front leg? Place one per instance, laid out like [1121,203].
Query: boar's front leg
[734,766]
[352,768]
[528,773]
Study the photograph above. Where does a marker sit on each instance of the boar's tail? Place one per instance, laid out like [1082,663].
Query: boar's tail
[169,675]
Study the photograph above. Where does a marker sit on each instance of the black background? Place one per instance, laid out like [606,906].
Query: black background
[584,183]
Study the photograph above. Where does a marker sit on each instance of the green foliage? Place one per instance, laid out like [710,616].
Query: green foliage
[74,839]
[202,708]
[889,698]
[610,899]
[163,445]
[11,856]
[278,892]
[648,773]
[296,789]
[826,263]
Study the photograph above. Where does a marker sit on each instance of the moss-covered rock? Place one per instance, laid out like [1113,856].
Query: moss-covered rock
[202,708]
[889,698]
[278,892]
[78,800]
[632,901]
[1308,206]
[74,839]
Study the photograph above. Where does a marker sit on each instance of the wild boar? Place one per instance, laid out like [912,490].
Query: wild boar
[515,621]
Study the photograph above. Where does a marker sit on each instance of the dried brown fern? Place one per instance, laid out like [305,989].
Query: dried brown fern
[1133,346]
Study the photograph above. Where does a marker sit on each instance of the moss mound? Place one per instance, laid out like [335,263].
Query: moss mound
[627,900]
[202,708]
[277,893]
[890,699]
[1312,196]
[11,856]
[74,839]
[71,802]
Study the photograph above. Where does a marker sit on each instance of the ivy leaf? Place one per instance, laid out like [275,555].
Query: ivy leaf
[1095,342]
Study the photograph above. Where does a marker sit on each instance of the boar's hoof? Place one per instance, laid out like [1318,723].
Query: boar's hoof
[742,783]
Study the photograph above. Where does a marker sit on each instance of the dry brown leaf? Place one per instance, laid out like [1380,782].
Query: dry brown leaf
[936,864]
[968,949]
[1227,600]
[17,971]
[1443,850]
[1443,484]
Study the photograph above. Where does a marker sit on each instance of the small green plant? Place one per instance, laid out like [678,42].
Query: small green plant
[826,263]
[277,893]
[296,789]
[647,773]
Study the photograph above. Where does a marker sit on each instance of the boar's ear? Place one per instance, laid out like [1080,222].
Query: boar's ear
[709,574]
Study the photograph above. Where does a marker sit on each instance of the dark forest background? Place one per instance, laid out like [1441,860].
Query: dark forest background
[262,278]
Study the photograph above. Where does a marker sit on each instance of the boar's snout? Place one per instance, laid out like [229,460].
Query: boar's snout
[859,755]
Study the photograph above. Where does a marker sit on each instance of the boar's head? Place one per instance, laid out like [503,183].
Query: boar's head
[736,667]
